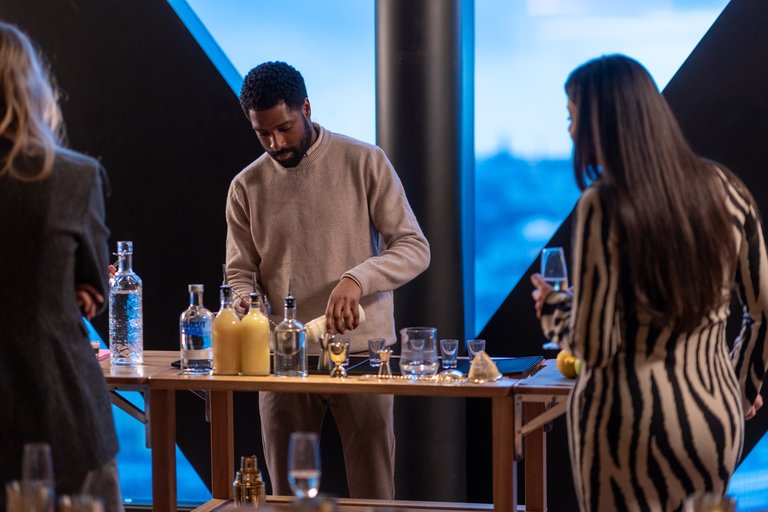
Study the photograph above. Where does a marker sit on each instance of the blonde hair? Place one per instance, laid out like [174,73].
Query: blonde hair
[30,118]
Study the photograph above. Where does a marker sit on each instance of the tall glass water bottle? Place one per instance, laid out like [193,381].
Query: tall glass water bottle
[290,343]
[196,330]
[126,331]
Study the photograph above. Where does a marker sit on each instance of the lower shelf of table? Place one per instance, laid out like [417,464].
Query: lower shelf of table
[360,505]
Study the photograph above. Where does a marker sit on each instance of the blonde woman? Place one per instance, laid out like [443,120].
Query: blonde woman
[53,260]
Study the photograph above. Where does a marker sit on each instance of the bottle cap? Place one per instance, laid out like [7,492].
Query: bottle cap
[248,463]
[195,288]
[290,301]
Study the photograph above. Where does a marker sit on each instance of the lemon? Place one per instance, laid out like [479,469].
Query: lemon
[566,364]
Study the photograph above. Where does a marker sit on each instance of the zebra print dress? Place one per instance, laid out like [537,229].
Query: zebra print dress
[655,417]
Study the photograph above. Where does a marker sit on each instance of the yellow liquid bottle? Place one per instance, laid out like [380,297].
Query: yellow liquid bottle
[254,340]
[226,336]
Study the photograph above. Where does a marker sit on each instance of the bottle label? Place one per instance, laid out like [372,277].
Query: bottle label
[197,354]
[196,328]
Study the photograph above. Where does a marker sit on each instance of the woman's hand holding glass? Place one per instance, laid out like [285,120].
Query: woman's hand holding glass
[553,277]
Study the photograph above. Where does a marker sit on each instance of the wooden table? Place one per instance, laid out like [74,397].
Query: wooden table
[539,399]
[137,378]
[515,406]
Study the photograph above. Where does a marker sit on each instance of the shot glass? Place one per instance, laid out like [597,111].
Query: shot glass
[473,347]
[375,346]
[449,350]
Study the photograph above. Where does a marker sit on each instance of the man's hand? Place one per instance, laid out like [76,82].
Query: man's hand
[89,299]
[342,313]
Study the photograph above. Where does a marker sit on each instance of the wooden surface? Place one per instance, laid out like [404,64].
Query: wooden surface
[155,362]
[222,443]
[162,381]
[162,424]
[353,505]
[504,464]
[535,462]
[547,381]
[171,379]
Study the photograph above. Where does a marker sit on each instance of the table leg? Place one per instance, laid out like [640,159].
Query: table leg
[162,421]
[535,462]
[222,444]
[504,464]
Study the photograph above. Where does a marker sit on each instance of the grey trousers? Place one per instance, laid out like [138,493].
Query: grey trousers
[365,424]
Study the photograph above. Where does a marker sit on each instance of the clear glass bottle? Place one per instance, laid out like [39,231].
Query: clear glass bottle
[226,336]
[196,331]
[126,332]
[290,343]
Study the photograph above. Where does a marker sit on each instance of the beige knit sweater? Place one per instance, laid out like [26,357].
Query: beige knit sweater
[341,212]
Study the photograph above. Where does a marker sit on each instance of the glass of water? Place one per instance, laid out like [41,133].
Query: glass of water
[304,468]
[449,350]
[37,485]
[375,346]
[554,272]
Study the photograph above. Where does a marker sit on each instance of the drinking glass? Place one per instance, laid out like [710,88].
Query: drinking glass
[553,268]
[418,352]
[449,350]
[554,272]
[338,349]
[37,477]
[473,347]
[375,345]
[304,468]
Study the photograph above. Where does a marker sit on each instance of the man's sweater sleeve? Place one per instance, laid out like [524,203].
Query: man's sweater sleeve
[404,251]
[242,259]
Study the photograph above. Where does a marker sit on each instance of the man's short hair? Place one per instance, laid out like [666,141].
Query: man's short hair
[269,83]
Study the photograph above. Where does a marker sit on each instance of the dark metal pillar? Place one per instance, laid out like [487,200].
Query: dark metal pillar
[419,117]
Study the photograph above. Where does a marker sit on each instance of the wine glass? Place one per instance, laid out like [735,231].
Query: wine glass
[553,268]
[37,476]
[304,468]
[554,272]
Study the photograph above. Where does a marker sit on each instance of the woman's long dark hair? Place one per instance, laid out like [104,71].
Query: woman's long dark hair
[674,228]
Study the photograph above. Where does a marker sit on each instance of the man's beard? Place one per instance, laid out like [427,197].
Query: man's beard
[297,152]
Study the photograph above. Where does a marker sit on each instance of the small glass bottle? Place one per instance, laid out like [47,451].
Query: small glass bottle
[126,336]
[226,336]
[290,343]
[254,339]
[248,487]
[196,331]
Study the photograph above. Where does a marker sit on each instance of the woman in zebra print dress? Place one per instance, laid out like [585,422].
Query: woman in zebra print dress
[661,238]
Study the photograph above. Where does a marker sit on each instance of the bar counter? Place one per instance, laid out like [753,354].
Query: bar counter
[519,408]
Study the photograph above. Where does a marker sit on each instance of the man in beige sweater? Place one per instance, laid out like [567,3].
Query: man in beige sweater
[328,213]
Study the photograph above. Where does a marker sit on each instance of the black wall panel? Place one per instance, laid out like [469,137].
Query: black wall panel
[140,95]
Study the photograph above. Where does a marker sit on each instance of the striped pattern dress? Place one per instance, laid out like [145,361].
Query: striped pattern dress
[656,416]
